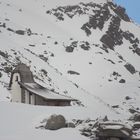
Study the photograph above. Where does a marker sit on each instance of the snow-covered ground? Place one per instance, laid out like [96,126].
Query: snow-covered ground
[18,122]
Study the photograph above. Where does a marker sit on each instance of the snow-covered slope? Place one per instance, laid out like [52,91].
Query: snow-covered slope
[88,50]
[24,118]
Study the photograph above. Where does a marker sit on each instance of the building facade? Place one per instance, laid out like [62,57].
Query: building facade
[25,90]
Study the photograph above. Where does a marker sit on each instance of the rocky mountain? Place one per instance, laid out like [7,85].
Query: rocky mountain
[89,50]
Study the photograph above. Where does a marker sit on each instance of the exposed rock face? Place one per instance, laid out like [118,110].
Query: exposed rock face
[136,126]
[131,110]
[20,32]
[98,16]
[98,20]
[136,117]
[85,45]
[73,72]
[69,49]
[120,11]
[128,98]
[108,41]
[114,34]
[130,68]
[122,131]
[70,124]
[55,122]
[122,81]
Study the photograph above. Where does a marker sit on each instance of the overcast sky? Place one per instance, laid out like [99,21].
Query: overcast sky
[132,7]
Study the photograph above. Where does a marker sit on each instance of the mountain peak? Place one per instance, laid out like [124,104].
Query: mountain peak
[74,46]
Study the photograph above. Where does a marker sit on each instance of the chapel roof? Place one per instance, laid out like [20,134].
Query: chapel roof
[25,74]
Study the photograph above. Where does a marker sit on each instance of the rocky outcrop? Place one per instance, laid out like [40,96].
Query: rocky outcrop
[73,72]
[122,81]
[20,32]
[120,11]
[113,131]
[108,41]
[135,117]
[98,19]
[98,15]
[130,68]
[133,40]
[55,122]
[69,49]
[114,34]
[85,45]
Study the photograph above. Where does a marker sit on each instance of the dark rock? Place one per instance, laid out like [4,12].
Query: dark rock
[9,29]
[86,28]
[131,110]
[86,133]
[85,46]
[128,98]
[59,16]
[133,40]
[0,74]
[136,117]
[122,81]
[3,25]
[32,45]
[105,119]
[48,12]
[115,106]
[43,43]
[55,122]
[110,61]
[69,49]
[29,32]
[44,72]
[98,20]
[137,51]
[114,32]
[70,124]
[76,85]
[20,10]
[55,42]
[52,55]
[4,54]
[130,68]
[120,11]
[20,32]
[8,69]
[108,41]
[73,72]
[90,63]
[105,48]
[43,57]
[116,74]
[120,57]
[78,122]
[136,126]
[95,21]
[74,44]
[105,132]
[109,80]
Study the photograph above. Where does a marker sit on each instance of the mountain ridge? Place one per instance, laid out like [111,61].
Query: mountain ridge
[94,45]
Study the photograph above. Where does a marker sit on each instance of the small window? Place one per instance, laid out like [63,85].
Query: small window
[16,78]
